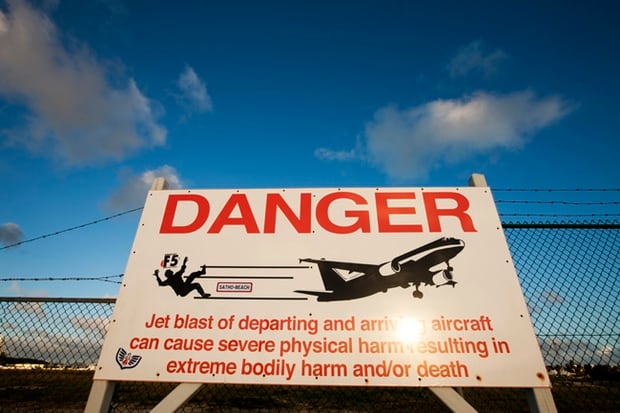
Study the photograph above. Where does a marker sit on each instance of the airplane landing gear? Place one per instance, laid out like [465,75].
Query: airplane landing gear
[417,293]
[447,273]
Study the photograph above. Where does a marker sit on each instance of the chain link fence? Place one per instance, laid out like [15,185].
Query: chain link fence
[570,279]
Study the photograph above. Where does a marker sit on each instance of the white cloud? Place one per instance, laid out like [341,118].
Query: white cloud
[74,111]
[408,143]
[471,59]
[10,233]
[356,153]
[52,346]
[333,155]
[134,188]
[97,325]
[552,297]
[194,96]
[34,308]
[4,24]
[15,289]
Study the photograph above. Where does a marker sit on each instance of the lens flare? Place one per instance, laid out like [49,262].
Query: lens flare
[410,329]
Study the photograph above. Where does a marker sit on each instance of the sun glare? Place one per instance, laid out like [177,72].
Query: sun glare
[410,329]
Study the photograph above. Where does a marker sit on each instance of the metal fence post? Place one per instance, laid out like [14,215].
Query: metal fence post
[102,391]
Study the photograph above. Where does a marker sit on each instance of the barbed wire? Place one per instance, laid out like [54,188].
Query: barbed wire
[104,278]
[599,225]
[71,228]
[503,201]
[500,201]
[526,214]
[556,190]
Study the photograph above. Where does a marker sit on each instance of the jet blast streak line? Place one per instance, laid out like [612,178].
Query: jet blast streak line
[253,298]
[281,267]
[248,277]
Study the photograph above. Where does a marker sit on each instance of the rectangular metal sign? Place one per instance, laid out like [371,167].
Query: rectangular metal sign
[322,286]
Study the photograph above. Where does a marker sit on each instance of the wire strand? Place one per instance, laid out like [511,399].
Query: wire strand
[501,201]
[556,190]
[524,214]
[505,225]
[529,202]
[104,278]
[71,229]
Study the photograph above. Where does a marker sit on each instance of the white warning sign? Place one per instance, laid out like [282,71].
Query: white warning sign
[326,286]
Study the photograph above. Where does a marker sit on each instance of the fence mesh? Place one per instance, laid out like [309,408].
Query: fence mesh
[569,276]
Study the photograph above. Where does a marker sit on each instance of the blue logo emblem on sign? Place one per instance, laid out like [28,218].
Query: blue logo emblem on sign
[127,360]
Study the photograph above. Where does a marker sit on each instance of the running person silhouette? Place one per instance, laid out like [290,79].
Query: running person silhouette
[179,285]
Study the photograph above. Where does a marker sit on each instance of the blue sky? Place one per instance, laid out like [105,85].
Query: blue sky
[97,97]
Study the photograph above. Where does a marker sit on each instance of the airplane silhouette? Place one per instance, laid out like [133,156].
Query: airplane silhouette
[349,280]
